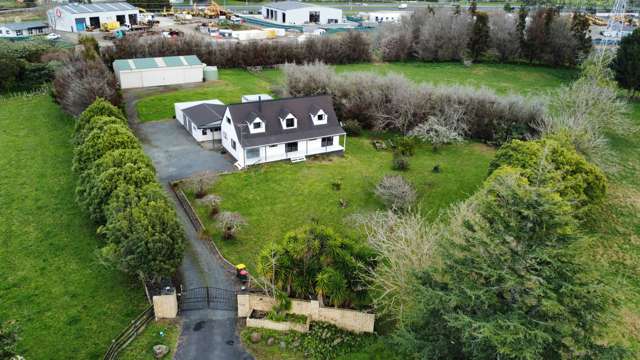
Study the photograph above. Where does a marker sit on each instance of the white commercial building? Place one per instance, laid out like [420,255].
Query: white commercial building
[75,17]
[298,13]
[387,16]
[158,71]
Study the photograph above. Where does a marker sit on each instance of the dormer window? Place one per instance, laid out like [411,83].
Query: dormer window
[318,116]
[257,125]
[290,122]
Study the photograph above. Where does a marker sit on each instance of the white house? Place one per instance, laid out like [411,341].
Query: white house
[298,13]
[158,71]
[270,130]
[76,17]
[23,29]
[201,119]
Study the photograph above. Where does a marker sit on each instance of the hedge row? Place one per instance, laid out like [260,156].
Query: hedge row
[117,187]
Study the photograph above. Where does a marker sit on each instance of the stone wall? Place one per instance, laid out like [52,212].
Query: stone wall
[347,319]
[277,325]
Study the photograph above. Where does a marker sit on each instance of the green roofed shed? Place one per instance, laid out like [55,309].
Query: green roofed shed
[158,71]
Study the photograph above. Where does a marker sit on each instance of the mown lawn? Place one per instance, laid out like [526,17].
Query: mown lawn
[67,304]
[280,197]
[233,83]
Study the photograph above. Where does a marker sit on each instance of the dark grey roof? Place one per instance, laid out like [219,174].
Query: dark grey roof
[287,5]
[269,111]
[205,115]
[25,25]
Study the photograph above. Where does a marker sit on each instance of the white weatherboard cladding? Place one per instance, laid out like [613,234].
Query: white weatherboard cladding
[139,78]
[189,126]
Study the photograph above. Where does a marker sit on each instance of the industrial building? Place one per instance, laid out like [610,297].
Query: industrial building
[298,13]
[75,17]
[158,71]
[23,29]
[387,16]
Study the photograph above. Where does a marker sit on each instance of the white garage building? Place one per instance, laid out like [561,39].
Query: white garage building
[201,119]
[158,71]
[76,17]
[298,13]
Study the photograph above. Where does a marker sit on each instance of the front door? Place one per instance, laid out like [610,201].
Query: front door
[81,24]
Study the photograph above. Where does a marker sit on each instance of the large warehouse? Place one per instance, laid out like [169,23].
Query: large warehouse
[75,17]
[298,13]
[158,71]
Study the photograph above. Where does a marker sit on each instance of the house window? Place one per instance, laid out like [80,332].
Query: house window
[320,117]
[327,141]
[253,153]
[30,31]
[291,147]
[290,122]
[19,32]
[257,125]
[233,144]
[204,131]
[228,120]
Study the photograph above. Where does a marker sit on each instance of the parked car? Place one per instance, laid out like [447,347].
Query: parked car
[53,36]
[402,6]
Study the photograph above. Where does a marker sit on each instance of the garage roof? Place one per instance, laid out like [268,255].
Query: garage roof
[156,62]
[76,8]
[25,25]
[287,5]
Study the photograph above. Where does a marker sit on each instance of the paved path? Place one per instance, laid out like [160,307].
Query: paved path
[207,334]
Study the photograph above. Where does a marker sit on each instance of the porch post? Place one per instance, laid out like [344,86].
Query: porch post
[344,145]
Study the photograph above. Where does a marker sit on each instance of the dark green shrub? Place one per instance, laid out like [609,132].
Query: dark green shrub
[100,142]
[405,145]
[100,107]
[400,163]
[352,127]
[97,123]
[559,165]
[8,339]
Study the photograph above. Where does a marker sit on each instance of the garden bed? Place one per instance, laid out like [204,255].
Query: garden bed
[263,320]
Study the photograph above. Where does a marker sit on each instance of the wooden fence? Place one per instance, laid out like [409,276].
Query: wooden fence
[136,327]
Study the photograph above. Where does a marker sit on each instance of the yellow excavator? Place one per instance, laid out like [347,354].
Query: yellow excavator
[215,11]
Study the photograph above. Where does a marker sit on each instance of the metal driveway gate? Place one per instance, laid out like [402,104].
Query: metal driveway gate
[208,297]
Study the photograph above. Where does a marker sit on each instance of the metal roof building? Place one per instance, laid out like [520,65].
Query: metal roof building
[298,13]
[77,17]
[23,29]
[158,71]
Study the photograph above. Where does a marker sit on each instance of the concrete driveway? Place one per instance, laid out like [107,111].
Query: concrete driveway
[175,154]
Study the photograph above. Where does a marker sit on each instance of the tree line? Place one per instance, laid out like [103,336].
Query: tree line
[117,187]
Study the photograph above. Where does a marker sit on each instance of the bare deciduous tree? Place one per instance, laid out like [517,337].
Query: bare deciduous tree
[396,193]
[404,244]
[230,222]
[504,36]
[441,129]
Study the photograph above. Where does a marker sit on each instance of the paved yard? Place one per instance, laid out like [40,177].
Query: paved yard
[175,153]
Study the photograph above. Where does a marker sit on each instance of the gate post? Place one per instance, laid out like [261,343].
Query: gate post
[165,306]
[207,289]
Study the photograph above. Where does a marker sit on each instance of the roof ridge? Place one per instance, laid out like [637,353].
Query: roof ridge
[283,99]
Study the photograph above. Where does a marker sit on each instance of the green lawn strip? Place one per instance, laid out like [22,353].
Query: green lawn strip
[233,83]
[229,89]
[504,78]
[68,305]
[162,332]
[614,250]
[280,197]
